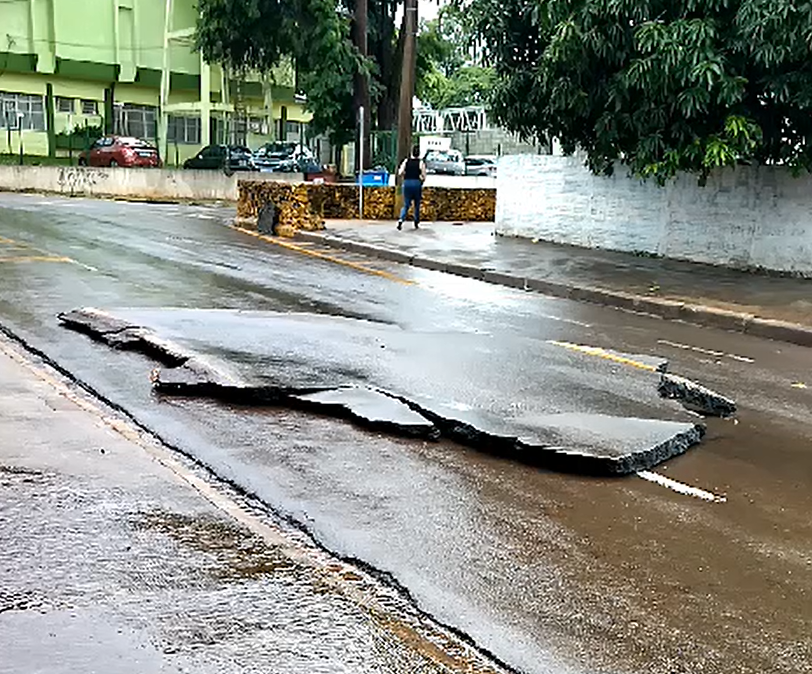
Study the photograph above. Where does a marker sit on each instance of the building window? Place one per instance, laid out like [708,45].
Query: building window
[22,111]
[90,107]
[184,130]
[64,104]
[138,121]
[295,130]
[239,131]
[258,126]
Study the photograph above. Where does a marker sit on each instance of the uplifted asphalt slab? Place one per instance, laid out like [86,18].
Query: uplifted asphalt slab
[369,408]
[526,399]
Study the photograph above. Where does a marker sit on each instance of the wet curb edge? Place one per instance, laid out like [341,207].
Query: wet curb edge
[673,310]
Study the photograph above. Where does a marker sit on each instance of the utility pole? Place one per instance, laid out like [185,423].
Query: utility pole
[163,119]
[407,79]
[361,88]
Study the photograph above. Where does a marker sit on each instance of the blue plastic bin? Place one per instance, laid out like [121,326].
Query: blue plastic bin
[375,178]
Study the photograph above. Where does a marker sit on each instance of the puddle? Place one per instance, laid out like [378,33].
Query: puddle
[238,554]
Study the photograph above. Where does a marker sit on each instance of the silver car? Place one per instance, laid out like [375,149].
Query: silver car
[449,162]
[480,165]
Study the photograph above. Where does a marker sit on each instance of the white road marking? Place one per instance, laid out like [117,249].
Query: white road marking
[84,266]
[707,352]
[680,487]
[571,321]
[741,359]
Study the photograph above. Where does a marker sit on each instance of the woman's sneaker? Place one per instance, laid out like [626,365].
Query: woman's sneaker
[400,224]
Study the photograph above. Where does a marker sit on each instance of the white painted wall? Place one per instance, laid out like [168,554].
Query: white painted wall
[158,184]
[743,217]
[460,182]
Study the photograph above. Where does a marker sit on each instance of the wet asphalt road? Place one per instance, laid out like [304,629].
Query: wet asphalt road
[111,563]
[550,572]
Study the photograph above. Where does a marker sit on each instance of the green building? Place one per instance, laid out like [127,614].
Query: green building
[128,67]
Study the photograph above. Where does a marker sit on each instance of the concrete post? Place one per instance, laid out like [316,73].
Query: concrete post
[205,102]
[50,122]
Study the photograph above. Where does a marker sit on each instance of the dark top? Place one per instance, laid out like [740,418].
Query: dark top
[412,170]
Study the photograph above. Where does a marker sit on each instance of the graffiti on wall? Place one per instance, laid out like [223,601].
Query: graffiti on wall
[80,179]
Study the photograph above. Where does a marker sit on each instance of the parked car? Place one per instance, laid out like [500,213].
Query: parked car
[480,166]
[445,161]
[284,158]
[120,151]
[223,158]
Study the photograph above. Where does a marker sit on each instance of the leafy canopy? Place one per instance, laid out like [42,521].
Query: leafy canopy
[659,85]
[259,34]
[448,74]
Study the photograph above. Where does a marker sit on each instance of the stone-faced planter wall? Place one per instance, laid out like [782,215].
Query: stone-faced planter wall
[307,205]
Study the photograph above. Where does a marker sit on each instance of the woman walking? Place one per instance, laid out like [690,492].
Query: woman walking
[413,172]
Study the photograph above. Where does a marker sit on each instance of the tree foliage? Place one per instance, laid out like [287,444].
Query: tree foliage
[316,34]
[448,74]
[659,85]
[250,34]
[258,34]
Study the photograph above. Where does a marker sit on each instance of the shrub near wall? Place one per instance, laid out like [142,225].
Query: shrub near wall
[449,204]
[307,205]
[292,200]
[340,202]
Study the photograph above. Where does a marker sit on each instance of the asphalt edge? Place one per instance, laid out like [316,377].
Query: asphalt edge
[673,310]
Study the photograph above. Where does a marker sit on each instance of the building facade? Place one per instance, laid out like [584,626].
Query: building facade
[71,69]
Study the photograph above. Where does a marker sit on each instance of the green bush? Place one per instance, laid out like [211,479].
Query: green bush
[80,139]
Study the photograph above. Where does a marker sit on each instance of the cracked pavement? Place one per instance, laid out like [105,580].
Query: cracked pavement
[549,572]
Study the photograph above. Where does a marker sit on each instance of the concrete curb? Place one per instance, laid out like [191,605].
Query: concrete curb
[672,310]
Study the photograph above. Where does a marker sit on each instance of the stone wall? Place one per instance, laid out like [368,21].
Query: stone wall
[747,217]
[148,184]
[301,206]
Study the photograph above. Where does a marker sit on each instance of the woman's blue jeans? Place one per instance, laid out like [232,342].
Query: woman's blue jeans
[412,193]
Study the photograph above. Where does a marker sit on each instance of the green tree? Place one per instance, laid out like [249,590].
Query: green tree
[448,74]
[469,85]
[259,34]
[658,85]
[316,34]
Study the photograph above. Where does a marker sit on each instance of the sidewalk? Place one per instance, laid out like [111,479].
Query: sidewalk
[119,557]
[762,305]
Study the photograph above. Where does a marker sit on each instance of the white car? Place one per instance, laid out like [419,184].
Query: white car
[480,165]
[448,162]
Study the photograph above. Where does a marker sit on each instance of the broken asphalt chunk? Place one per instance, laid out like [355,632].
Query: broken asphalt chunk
[696,397]
[523,399]
[371,409]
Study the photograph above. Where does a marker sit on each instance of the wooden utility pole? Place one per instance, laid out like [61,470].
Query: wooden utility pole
[407,79]
[361,85]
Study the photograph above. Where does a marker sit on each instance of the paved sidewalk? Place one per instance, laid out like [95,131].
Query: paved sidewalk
[767,306]
[118,557]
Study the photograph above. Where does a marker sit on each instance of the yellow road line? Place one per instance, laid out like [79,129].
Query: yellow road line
[324,256]
[603,353]
[35,258]
[44,255]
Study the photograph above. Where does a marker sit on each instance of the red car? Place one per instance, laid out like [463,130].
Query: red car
[120,151]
